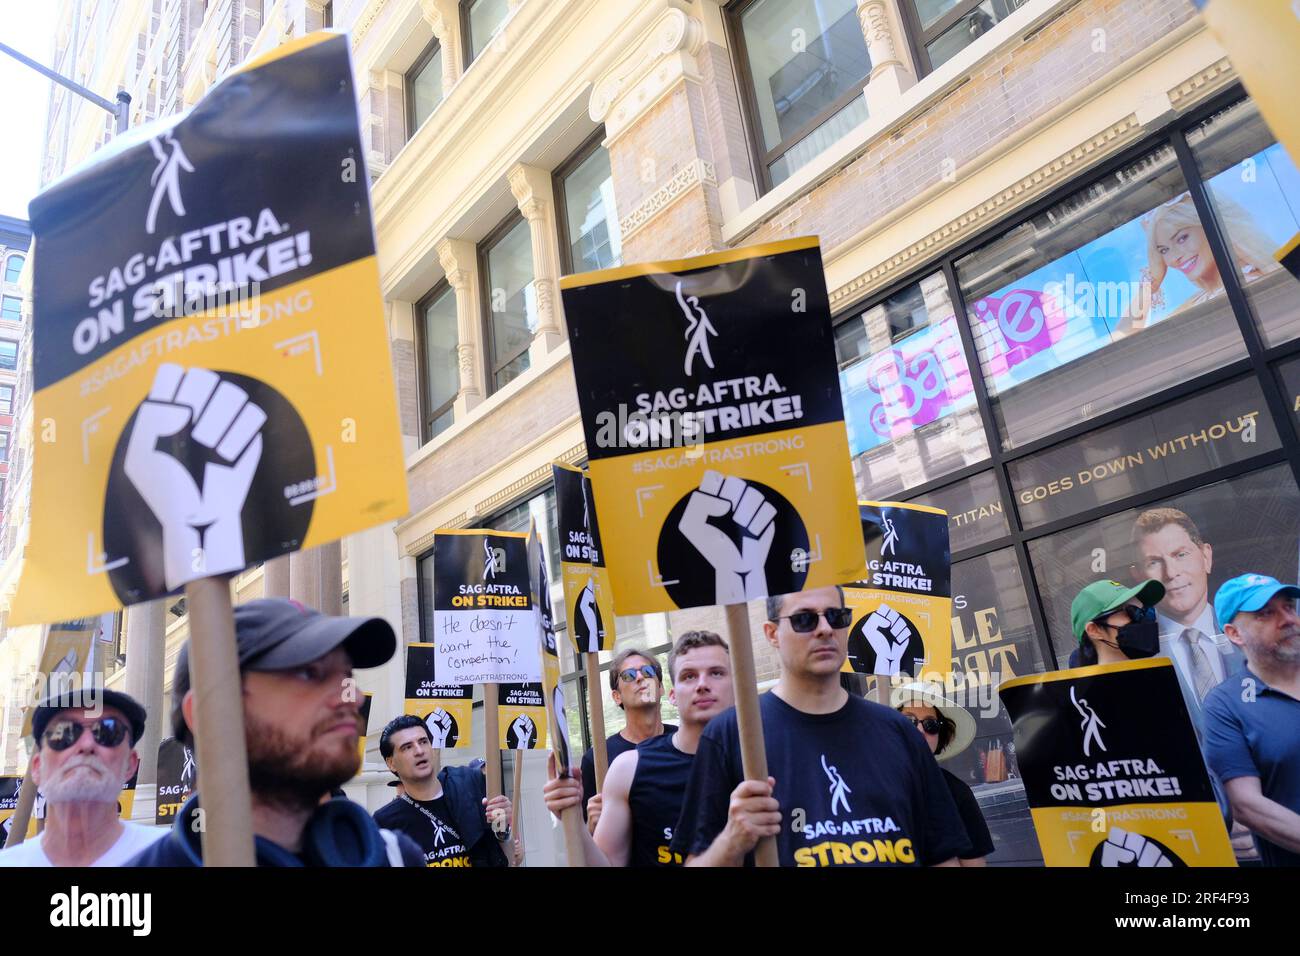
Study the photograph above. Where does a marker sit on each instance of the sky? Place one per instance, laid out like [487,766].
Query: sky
[27,26]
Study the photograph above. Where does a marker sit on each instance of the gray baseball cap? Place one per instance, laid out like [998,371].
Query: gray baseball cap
[276,634]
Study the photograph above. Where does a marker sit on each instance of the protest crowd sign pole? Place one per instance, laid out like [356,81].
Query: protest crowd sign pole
[749,722]
[492,741]
[517,827]
[227,832]
[600,755]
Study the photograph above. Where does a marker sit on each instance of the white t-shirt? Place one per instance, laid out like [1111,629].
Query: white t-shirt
[135,837]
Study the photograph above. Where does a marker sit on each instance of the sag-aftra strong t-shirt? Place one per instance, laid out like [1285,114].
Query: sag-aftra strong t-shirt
[857,787]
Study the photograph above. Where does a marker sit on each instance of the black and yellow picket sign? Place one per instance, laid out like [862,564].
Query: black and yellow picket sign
[552,690]
[522,716]
[67,664]
[711,409]
[1112,770]
[10,787]
[366,700]
[484,626]
[902,609]
[206,306]
[126,799]
[447,709]
[588,594]
[177,775]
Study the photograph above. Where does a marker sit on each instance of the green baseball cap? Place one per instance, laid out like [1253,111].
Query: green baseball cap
[1102,597]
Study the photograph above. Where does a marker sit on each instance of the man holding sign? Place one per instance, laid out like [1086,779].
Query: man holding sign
[852,783]
[302,719]
[444,811]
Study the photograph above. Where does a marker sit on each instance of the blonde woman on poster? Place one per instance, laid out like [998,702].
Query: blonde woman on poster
[1176,240]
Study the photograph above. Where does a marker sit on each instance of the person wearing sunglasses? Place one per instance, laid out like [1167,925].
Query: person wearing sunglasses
[947,732]
[84,756]
[1113,623]
[636,682]
[644,787]
[852,783]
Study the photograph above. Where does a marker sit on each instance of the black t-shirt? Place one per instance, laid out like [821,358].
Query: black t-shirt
[971,817]
[429,823]
[615,744]
[861,781]
[655,799]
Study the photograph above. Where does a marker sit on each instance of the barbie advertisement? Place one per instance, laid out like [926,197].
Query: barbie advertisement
[1147,270]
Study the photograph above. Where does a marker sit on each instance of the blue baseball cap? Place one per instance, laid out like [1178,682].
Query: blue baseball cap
[1248,592]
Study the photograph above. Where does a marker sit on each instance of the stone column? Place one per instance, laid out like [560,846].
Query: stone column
[532,191]
[891,67]
[304,577]
[653,105]
[275,577]
[401,331]
[443,18]
[146,635]
[331,578]
[459,261]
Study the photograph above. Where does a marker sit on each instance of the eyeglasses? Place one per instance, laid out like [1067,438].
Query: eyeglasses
[804,621]
[107,731]
[931,725]
[630,675]
[1134,614]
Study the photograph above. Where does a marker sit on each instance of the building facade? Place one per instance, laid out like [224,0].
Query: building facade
[1047,229]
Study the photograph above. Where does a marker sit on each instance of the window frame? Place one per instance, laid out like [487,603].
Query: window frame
[408,88]
[4,445]
[9,261]
[919,37]
[17,346]
[429,416]
[7,399]
[579,156]
[4,301]
[467,32]
[483,250]
[761,159]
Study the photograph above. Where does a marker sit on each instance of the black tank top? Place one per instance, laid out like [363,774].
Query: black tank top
[655,798]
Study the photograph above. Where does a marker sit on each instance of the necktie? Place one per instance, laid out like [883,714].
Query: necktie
[1202,673]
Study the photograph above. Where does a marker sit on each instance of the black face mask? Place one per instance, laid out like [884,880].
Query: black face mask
[1139,639]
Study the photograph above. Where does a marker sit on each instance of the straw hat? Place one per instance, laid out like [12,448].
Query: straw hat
[922,694]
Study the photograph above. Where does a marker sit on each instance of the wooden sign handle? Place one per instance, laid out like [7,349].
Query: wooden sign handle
[600,756]
[749,721]
[226,799]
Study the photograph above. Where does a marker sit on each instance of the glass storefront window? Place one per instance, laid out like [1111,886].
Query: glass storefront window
[975,511]
[511,303]
[908,400]
[806,61]
[595,241]
[1255,191]
[439,335]
[993,640]
[1183,439]
[1107,296]
[1192,543]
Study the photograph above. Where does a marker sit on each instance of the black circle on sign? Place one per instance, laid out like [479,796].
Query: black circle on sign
[271,525]
[1170,855]
[518,742]
[862,656]
[582,634]
[453,735]
[693,577]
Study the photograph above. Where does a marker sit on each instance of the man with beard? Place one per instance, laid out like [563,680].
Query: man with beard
[645,786]
[84,757]
[445,812]
[636,682]
[1252,720]
[302,720]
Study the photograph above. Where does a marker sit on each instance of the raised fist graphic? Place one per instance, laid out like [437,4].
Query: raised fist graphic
[440,724]
[738,570]
[1123,848]
[201,527]
[889,636]
[590,614]
[523,733]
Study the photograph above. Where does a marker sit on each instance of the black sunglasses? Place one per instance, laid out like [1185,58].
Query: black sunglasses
[931,725]
[632,673]
[804,621]
[1134,614]
[107,731]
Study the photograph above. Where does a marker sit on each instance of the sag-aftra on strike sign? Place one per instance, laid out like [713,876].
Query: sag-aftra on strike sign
[212,377]
[710,402]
